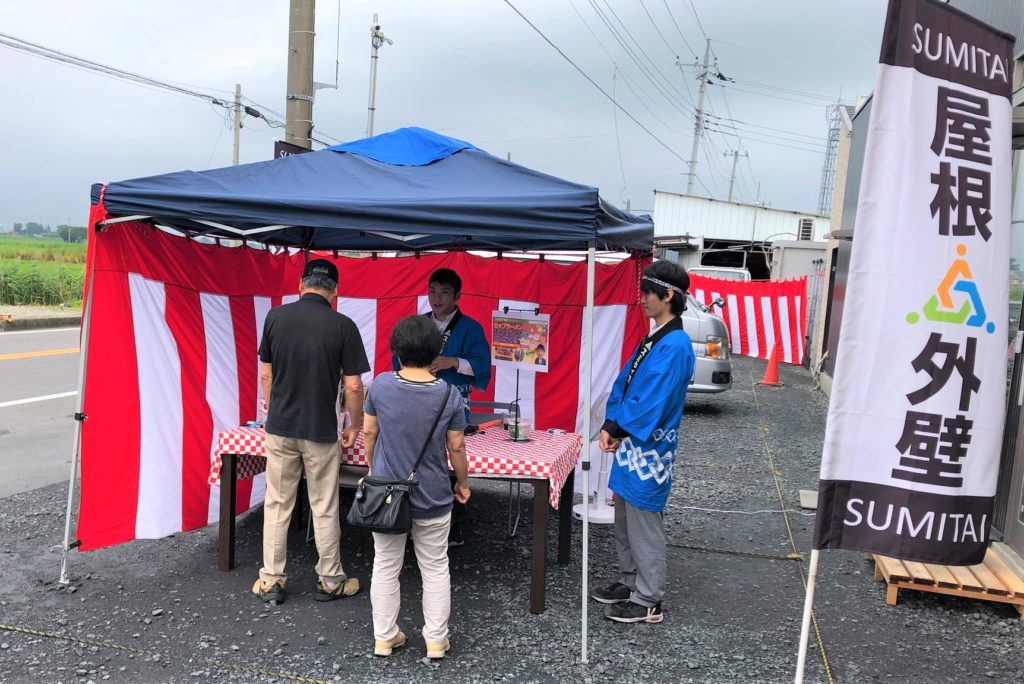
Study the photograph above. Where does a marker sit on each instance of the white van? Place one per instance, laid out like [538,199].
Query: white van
[723,272]
[712,371]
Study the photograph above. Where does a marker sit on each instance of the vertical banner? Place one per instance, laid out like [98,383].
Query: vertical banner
[915,419]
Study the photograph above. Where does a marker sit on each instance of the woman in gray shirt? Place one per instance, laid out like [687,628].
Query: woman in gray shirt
[400,409]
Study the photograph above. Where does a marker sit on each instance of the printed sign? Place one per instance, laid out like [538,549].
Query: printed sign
[521,340]
[915,419]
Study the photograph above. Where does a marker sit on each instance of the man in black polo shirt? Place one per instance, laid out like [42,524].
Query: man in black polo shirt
[307,348]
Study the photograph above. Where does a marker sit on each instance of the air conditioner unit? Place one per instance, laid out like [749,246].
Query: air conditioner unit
[806,230]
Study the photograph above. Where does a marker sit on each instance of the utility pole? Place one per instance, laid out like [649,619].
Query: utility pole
[732,179]
[698,121]
[377,38]
[299,97]
[238,121]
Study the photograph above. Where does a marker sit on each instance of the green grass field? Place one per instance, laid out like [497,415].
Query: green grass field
[41,271]
[41,249]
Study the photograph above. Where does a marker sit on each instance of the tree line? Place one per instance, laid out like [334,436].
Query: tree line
[64,232]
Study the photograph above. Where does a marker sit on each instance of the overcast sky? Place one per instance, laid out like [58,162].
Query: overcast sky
[472,70]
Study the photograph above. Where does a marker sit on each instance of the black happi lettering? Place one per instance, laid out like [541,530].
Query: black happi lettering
[962,126]
[926,437]
[939,374]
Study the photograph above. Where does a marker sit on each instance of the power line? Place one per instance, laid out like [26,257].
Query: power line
[594,83]
[633,56]
[628,82]
[644,52]
[779,144]
[738,132]
[625,76]
[816,138]
[655,25]
[699,25]
[618,142]
[676,24]
[54,55]
[22,45]
[789,91]
[779,97]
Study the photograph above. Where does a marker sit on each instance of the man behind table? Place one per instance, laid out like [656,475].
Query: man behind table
[464,360]
[307,347]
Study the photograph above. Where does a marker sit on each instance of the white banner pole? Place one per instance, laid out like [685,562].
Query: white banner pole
[79,418]
[805,627]
[588,354]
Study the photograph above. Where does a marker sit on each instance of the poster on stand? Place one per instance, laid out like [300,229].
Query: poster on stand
[521,340]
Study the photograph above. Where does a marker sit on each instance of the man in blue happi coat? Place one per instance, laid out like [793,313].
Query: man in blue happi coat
[643,415]
[464,360]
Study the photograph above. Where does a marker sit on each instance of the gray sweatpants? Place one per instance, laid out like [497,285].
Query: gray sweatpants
[640,543]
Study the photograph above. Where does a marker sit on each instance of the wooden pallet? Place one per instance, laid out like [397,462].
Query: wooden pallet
[992,580]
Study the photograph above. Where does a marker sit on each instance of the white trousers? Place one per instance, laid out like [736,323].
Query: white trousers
[430,540]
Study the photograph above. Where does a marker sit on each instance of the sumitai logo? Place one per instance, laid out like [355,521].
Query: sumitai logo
[941,47]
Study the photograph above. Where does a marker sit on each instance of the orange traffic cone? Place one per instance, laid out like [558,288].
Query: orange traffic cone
[771,373]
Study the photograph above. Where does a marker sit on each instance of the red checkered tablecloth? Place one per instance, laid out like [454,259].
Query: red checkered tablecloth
[490,453]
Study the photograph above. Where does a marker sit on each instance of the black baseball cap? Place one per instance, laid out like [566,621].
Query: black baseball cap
[321,267]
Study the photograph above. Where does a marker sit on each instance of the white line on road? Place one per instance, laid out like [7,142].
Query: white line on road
[32,400]
[38,330]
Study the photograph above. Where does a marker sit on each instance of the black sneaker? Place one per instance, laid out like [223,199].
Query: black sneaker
[275,592]
[616,592]
[455,535]
[634,612]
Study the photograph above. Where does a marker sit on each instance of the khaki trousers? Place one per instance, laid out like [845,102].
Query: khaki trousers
[286,458]
[430,539]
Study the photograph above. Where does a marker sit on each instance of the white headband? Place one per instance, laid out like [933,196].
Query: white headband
[665,285]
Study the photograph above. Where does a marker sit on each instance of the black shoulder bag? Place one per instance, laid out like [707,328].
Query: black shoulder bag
[383,505]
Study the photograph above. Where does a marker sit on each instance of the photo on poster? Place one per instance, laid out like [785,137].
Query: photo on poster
[521,340]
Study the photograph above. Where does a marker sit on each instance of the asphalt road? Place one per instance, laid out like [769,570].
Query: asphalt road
[36,436]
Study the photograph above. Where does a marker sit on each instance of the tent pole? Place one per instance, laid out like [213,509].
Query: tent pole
[805,627]
[79,418]
[588,354]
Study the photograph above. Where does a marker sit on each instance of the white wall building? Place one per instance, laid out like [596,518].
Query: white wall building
[676,214]
[699,231]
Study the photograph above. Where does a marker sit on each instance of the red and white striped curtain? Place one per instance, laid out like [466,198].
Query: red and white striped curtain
[172,357]
[760,314]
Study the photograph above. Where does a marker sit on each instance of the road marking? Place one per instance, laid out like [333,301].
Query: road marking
[34,354]
[32,400]
[32,332]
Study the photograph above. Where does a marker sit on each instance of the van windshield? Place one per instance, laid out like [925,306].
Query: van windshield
[723,273]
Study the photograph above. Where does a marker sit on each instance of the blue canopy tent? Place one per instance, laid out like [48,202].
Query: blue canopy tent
[407,190]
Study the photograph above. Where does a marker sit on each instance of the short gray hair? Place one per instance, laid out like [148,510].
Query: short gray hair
[317,281]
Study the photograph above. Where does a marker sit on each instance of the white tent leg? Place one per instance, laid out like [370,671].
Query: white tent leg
[588,346]
[79,405]
[805,627]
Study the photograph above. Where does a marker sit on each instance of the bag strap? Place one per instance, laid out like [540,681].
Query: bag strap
[447,332]
[437,418]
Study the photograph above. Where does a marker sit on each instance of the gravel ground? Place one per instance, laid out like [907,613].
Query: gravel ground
[159,611]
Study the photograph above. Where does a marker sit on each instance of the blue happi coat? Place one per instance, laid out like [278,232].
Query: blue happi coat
[648,416]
